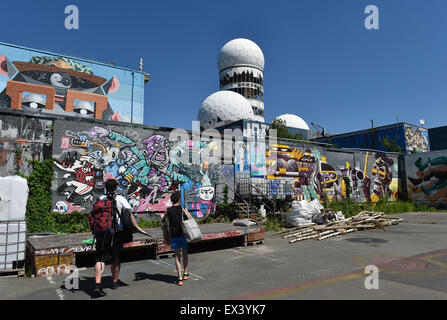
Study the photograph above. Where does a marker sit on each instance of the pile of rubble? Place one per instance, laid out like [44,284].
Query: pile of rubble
[334,226]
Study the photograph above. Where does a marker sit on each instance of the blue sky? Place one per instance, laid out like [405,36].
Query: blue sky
[321,63]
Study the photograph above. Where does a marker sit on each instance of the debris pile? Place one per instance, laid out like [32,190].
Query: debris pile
[335,226]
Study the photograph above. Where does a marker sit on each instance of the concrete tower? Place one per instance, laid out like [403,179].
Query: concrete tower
[241,65]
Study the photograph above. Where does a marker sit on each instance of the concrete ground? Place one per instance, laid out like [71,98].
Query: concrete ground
[411,258]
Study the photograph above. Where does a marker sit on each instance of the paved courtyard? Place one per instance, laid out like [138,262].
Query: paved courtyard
[411,258]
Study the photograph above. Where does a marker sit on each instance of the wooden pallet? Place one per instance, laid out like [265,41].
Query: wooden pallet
[254,239]
[254,243]
[164,255]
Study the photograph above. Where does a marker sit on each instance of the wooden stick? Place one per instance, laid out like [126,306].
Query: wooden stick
[364,226]
[336,234]
[305,238]
[294,229]
[298,234]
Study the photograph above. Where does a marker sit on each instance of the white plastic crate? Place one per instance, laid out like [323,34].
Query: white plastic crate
[6,266]
[11,226]
[13,198]
[12,243]
[13,247]
[12,256]
[15,237]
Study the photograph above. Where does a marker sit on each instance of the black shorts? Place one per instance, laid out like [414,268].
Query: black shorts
[108,249]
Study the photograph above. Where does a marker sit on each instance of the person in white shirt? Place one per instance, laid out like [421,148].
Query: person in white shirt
[118,243]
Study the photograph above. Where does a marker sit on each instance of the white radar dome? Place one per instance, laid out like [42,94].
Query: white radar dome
[240,52]
[224,105]
[293,121]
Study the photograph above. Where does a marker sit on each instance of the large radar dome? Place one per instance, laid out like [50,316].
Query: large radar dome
[223,106]
[240,52]
[293,121]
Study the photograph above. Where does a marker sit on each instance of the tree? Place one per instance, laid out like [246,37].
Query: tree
[391,145]
[283,132]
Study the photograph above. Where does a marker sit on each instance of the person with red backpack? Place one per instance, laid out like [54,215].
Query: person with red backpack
[106,223]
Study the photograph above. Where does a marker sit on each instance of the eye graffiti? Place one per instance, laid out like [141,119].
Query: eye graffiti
[57,85]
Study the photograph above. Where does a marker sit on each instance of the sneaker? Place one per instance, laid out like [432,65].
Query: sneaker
[115,285]
[98,292]
[180,282]
[185,276]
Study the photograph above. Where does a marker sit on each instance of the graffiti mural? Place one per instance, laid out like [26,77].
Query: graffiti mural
[416,139]
[241,162]
[52,84]
[147,166]
[257,159]
[312,176]
[427,177]
[23,139]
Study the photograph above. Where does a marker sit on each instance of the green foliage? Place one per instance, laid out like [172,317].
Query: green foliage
[280,205]
[206,220]
[227,211]
[391,145]
[225,194]
[149,223]
[75,222]
[350,208]
[283,132]
[272,224]
[39,214]
[39,217]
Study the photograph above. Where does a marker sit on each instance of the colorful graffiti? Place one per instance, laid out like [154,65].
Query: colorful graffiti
[416,139]
[65,86]
[148,167]
[22,140]
[427,178]
[310,176]
[241,162]
[257,159]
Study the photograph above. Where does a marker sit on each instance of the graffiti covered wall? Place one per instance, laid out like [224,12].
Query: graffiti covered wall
[313,173]
[427,177]
[39,82]
[147,166]
[23,139]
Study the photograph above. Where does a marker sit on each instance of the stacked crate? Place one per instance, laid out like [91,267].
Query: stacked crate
[13,199]
[12,245]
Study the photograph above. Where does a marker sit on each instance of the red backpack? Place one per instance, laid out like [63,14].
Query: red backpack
[101,217]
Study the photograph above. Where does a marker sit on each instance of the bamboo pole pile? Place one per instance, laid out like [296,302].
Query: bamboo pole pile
[365,220]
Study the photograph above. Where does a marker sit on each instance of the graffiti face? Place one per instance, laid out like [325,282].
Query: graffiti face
[58,85]
[61,207]
[311,177]
[111,155]
[67,86]
[206,193]
[80,174]
[328,175]
[157,150]
[383,176]
[142,167]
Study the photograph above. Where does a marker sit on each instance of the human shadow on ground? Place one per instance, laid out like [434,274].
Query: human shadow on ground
[155,277]
[87,285]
